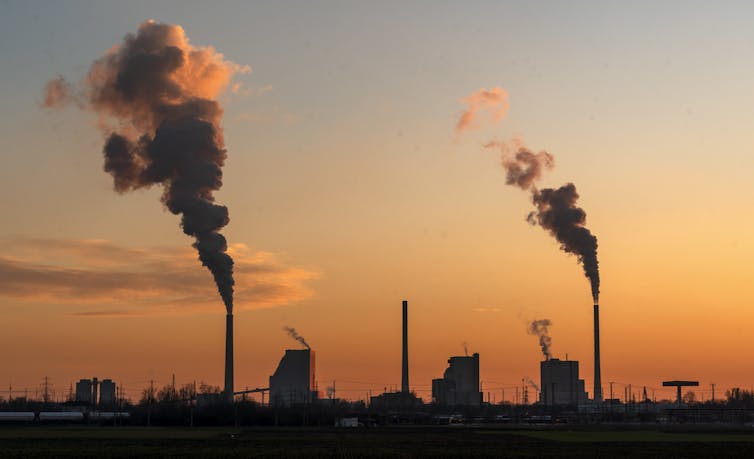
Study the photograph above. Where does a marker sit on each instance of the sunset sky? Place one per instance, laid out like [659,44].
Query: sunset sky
[349,190]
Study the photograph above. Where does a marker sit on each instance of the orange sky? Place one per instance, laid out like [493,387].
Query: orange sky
[350,189]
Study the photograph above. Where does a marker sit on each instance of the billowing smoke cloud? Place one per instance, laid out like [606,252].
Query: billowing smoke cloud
[294,334]
[539,329]
[558,213]
[522,166]
[495,100]
[155,94]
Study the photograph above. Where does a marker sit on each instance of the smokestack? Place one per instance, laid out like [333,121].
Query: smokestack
[597,376]
[229,357]
[404,380]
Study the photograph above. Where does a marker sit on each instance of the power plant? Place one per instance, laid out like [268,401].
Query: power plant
[294,381]
[560,383]
[460,383]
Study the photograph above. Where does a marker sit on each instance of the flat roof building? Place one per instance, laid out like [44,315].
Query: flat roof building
[560,383]
[293,380]
[460,383]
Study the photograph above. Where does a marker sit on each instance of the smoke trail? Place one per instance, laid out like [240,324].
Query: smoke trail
[557,212]
[495,100]
[294,334]
[532,383]
[539,329]
[465,348]
[556,208]
[155,95]
[522,166]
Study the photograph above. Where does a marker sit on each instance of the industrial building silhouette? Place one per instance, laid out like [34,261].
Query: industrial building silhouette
[460,383]
[294,379]
[560,383]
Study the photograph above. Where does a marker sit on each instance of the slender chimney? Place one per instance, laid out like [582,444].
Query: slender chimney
[597,374]
[404,380]
[229,357]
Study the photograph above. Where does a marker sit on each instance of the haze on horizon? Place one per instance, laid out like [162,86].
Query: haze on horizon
[350,189]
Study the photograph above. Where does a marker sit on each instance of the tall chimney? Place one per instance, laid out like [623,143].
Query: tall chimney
[404,379]
[597,374]
[229,357]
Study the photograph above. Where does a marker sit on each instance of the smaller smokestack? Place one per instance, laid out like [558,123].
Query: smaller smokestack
[229,357]
[404,380]
[597,375]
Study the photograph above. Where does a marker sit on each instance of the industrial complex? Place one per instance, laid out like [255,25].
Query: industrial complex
[292,395]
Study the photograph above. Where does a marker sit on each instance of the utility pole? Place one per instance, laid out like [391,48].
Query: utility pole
[46,393]
[713,392]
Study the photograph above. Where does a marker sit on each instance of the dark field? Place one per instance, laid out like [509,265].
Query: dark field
[82,441]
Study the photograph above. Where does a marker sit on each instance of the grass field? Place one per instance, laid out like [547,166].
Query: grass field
[395,442]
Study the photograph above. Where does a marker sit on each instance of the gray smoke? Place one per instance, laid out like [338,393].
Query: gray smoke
[539,329]
[294,334]
[532,383]
[522,166]
[558,213]
[156,97]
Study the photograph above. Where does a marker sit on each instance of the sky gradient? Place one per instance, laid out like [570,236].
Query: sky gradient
[349,189]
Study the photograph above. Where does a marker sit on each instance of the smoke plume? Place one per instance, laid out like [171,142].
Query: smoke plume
[156,97]
[465,348]
[294,334]
[522,166]
[532,383]
[495,100]
[539,328]
[558,213]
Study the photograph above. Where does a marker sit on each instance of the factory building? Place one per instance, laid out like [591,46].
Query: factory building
[85,391]
[293,381]
[560,383]
[94,392]
[107,392]
[460,383]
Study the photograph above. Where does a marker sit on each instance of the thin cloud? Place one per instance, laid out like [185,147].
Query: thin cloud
[163,280]
[485,309]
[103,313]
